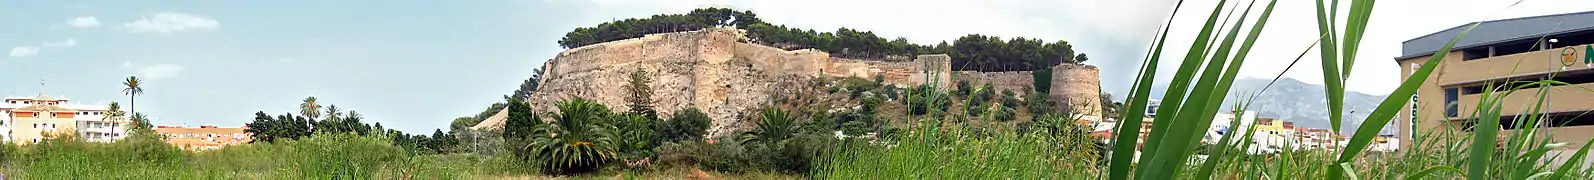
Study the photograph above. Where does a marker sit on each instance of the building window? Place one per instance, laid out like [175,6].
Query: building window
[1451,95]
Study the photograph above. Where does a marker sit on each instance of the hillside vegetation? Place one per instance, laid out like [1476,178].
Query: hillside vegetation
[973,52]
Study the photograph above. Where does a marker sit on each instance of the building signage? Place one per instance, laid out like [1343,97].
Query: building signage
[1413,105]
[1569,56]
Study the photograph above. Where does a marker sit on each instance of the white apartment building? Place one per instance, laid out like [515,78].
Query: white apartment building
[30,119]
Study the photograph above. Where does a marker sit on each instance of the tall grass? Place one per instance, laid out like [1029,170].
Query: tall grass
[323,156]
[1203,76]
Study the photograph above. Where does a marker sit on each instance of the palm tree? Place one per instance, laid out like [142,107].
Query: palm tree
[333,112]
[578,140]
[112,112]
[309,108]
[775,125]
[133,89]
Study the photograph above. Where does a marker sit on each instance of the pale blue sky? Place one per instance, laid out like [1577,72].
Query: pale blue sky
[415,65]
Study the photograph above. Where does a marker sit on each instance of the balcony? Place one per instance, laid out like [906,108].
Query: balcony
[1507,66]
[1568,98]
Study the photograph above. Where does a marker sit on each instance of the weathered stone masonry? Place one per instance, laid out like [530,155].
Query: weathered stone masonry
[717,71]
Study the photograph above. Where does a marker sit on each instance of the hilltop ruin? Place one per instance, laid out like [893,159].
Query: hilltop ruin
[720,72]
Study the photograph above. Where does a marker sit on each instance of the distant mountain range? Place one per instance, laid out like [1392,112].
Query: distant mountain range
[1299,102]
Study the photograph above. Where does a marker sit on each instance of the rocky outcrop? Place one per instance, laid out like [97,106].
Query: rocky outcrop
[715,70]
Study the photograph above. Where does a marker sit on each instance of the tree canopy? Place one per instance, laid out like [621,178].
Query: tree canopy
[973,52]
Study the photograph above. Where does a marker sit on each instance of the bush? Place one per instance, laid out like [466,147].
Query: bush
[963,88]
[925,99]
[686,124]
[794,155]
[856,86]
[635,136]
[1009,99]
[1005,114]
[854,128]
[1039,103]
[890,92]
[724,156]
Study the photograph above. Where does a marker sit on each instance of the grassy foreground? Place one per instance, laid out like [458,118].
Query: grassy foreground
[324,156]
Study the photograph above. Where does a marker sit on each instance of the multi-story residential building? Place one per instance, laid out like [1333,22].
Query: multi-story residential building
[1503,54]
[204,137]
[31,119]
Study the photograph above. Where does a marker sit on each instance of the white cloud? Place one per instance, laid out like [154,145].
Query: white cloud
[24,51]
[69,42]
[84,22]
[161,71]
[127,64]
[168,22]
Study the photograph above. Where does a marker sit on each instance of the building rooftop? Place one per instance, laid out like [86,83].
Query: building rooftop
[206,129]
[1498,31]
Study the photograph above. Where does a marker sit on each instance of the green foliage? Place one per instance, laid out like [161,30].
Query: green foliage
[1004,114]
[857,86]
[1041,80]
[1039,103]
[266,128]
[526,88]
[519,127]
[890,92]
[462,123]
[664,23]
[925,99]
[794,155]
[972,52]
[578,140]
[722,157]
[774,125]
[934,152]
[634,136]
[140,123]
[639,95]
[1010,99]
[686,124]
[310,108]
[963,88]
[855,128]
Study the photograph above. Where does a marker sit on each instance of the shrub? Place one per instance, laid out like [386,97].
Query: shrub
[686,124]
[1005,114]
[1039,103]
[634,136]
[1009,99]
[795,155]
[890,92]
[854,128]
[963,88]
[724,156]
[925,99]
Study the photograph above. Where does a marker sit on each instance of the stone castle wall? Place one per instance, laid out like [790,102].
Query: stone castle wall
[1079,86]
[713,70]
[718,72]
[1017,81]
[1073,84]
